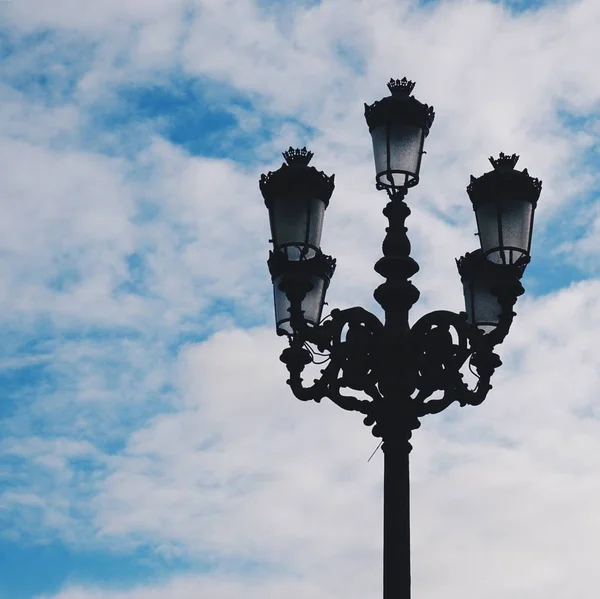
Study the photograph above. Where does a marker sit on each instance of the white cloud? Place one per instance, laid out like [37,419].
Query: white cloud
[227,465]
[504,492]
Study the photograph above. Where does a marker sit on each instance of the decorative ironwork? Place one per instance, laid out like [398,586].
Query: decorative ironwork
[504,162]
[504,179]
[400,108]
[400,368]
[298,156]
[296,177]
[393,373]
[397,295]
[401,86]
[320,265]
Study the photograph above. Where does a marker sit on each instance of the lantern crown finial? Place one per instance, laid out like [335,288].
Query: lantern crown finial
[297,156]
[504,162]
[401,87]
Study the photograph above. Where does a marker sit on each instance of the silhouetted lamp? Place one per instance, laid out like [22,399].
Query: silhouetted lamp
[481,305]
[490,290]
[398,125]
[504,201]
[297,195]
[299,289]
[389,371]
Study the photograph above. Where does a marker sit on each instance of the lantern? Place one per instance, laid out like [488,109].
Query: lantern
[504,201]
[299,289]
[398,125]
[296,196]
[490,290]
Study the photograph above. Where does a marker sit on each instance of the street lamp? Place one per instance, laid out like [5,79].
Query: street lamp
[406,371]
[297,196]
[398,124]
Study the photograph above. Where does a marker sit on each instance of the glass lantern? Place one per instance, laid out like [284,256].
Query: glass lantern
[296,196]
[299,286]
[398,125]
[504,201]
[490,290]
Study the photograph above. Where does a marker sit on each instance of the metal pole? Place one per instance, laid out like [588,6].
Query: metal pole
[396,520]
[396,296]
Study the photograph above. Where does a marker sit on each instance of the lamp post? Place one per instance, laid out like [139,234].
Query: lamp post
[406,371]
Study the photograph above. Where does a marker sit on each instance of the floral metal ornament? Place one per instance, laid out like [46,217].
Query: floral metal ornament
[399,107]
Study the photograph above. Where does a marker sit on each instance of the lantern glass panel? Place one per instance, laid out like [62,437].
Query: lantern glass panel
[516,229]
[505,229]
[482,306]
[296,225]
[314,300]
[282,305]
[312,304]
[397,149]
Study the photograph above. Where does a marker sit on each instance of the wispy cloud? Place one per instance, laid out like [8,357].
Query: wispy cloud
[144,413]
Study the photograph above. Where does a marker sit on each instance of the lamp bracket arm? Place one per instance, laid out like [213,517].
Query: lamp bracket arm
[351,404]
[350,339]
[507,295]
[443,342]
[296,358]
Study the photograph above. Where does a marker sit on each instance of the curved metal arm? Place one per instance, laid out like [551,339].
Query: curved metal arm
[351,358]
[507,294]
[441,359]
[435,350]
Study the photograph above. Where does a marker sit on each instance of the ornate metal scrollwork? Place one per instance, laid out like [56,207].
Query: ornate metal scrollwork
[350,339]
[406,372]
[354,342]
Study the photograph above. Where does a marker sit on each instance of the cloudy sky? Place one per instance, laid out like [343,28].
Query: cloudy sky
[149,447]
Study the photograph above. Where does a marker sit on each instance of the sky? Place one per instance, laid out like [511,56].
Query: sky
[149,446]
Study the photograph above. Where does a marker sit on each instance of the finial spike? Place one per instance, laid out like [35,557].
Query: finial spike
[297,156]
[402,87]
[504,162]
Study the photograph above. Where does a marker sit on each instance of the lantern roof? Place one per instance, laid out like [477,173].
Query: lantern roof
[504,181]
[474,266]
[400,107]
[296,176]
[320,265]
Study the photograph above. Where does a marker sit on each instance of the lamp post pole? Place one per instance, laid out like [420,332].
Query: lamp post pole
[402,372]
[396,296]
[396,520]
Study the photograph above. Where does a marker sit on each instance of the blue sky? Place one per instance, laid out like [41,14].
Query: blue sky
[149,446]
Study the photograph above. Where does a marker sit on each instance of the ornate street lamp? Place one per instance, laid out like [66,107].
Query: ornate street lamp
[504,201]
[399,125]
[490,292]
[406,371]
[299,288]
[297,195]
